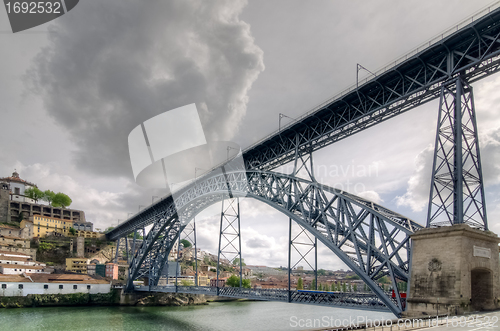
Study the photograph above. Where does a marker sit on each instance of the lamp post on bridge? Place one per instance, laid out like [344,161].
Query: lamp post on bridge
[153,198]
[281,115]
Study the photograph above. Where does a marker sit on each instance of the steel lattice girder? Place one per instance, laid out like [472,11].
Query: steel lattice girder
[336,299]
[473,51]
[373,241]
[457,191]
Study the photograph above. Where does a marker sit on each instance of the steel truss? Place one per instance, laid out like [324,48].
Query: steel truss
[473,51]
[457,193]
[335,299]
[230,235]
[370,239]
[189,234]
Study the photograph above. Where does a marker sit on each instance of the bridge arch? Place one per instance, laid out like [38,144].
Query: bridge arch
[373,241]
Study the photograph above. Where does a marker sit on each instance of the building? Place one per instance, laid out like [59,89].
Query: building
[45,226]
[19,285]
[12,269]
[14,206]
[91,269]
[83,226]
[100,270]
[16,240]
[89,234]
[112,270]
[16,264]
[76,264]
[222,282]
[17,186]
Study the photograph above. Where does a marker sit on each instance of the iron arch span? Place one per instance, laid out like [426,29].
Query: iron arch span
[370,239]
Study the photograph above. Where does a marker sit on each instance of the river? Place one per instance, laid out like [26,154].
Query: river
[217,316]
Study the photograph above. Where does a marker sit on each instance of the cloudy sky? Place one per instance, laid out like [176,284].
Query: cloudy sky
[73,89]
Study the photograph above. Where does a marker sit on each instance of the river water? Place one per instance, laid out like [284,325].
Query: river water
[217,316]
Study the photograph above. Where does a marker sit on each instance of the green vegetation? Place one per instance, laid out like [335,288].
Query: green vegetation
[300,284]
[61,200]
[54,199]
[72,231]
[353,277]
[185,282]
[34,193]
[48,196]
[75,299]
[313,285]
[236,262]
[14,225]
[234,281]
[185,243]
[46,246]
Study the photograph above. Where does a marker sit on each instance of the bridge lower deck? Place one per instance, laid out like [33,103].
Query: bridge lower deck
[365,301]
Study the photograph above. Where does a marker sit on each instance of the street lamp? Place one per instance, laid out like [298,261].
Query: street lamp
[140,207]
[281,116]
[228,149]
[153,198]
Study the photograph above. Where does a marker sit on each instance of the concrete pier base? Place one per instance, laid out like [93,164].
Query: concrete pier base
[454,269]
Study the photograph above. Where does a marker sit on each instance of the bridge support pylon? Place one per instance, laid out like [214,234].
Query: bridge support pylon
[454,270]
[230,236]
[457,193]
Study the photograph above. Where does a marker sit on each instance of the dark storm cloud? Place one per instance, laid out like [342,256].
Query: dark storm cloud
[110,65]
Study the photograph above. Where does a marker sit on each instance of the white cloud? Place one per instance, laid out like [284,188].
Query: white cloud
[417,193]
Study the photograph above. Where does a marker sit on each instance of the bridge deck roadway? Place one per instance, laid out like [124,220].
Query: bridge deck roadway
[365,301]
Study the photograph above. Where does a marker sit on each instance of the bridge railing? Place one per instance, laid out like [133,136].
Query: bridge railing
[354,300]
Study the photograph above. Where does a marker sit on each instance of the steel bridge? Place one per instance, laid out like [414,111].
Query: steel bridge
[370,239]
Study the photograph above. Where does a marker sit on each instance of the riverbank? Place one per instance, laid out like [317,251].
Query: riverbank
[113,298]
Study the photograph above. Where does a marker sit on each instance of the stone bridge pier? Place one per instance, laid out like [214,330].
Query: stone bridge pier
[454,269]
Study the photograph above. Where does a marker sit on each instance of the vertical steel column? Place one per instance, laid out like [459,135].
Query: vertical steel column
[457,191]
[126,249]
[458,158]
[289,259]
[177,264]
[316,261]
[239,237]
[195,254]
[117,247]
[220,243]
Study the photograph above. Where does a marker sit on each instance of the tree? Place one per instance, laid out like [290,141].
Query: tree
[109,229]
[355,288]
[34,193]
[343,287]
[300,284]
[48,196]
[246,283]
[185,243]
[72,231]
[233,281]
[61,200]
[236,262]
[333,287]
[313,285]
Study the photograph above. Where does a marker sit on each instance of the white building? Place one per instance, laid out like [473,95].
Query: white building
[17,263]
[23,285]
[17,186]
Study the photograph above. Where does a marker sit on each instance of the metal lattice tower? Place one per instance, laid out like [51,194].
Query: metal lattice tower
[229,234]
[457,193]
[304,244]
